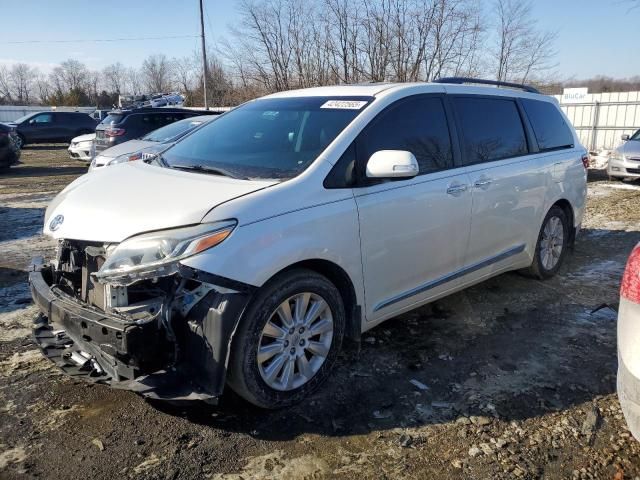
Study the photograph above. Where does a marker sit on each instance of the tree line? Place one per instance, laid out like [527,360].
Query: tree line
[284,44]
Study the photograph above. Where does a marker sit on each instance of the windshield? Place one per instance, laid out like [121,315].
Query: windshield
[23,118]
[173,130]
[635,136]
[270,138]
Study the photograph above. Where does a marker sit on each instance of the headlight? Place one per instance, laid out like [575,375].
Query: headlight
[616,156]
[129,157]
[157,254]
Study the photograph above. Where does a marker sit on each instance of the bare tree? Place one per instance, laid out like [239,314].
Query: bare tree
[133,81]
[156,73]
[521,49]
[186,73]
[70,75]
[115,77]
[5,84]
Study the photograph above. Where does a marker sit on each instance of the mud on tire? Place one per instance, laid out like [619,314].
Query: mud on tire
[244,376]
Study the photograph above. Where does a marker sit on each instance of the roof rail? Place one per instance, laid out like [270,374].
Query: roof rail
[481,81]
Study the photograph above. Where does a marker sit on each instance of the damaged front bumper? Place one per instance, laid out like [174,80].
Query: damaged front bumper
[135,351]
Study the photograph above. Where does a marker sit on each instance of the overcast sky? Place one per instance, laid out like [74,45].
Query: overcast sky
[595,37]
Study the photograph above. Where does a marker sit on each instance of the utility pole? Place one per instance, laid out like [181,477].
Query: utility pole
[204,58]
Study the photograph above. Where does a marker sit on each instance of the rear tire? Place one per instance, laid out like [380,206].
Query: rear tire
[551,247]
[303,358]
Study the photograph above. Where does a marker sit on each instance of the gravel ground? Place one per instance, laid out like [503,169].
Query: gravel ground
[514,378]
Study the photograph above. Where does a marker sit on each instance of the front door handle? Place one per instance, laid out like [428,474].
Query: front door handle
[456,189]
[482,182]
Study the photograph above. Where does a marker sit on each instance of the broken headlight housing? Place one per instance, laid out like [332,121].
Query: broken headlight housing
[156,254]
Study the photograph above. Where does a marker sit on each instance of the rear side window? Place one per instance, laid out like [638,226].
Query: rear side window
[416,124]
[491,129]
[550,129]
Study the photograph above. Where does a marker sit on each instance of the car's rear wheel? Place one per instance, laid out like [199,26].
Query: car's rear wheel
[288,340]
[551,246]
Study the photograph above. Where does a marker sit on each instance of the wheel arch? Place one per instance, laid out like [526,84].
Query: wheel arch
[567,208]
[340,278]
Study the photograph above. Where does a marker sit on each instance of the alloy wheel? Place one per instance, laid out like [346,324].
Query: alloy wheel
[552,243]
[295,341]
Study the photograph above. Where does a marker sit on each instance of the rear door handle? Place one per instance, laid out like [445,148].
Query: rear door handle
[456,189]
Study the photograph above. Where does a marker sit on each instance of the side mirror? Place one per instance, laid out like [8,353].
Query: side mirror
[625,137]
[392,164]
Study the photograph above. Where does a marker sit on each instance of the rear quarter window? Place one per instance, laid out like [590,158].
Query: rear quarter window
[491,129]
[549,127]
[112,118]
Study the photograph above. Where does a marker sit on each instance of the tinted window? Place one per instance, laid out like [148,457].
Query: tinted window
[112,118]
[635,136]
[549,127]
[43,118]
[418,125]
[491,129]
[268,138]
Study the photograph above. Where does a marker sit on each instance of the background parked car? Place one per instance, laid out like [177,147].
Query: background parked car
[624,161]
[123,125]
[9,149]
[44,127]
[152,143]
[80,147]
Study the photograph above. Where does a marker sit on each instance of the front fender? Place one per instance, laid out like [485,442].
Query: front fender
[255,252]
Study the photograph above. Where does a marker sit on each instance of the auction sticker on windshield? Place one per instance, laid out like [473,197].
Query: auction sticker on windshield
[344,104]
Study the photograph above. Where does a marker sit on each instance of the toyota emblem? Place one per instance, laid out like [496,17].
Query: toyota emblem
[56,222]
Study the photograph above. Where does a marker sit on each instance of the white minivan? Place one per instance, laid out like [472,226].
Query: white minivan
[247,251]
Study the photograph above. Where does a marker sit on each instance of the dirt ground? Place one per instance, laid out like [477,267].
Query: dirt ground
[519,377]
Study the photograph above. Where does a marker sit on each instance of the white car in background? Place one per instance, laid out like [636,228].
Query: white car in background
[80,147]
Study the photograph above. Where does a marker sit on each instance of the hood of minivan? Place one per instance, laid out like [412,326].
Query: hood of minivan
[630,148]
[115,203]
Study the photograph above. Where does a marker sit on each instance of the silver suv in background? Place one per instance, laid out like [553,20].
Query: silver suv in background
[248,250]
[624,161]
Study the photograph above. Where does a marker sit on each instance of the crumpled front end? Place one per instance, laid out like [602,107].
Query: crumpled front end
[165,337]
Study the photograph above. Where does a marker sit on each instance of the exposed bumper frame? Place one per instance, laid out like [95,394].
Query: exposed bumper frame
[66,326]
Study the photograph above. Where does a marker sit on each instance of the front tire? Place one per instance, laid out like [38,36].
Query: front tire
[288,340]
[551,247]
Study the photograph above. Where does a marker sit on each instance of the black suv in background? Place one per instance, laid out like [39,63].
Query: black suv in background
[9,151]
[42,127]
[123,125]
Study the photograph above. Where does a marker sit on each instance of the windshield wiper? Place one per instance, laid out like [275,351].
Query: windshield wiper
[212,170]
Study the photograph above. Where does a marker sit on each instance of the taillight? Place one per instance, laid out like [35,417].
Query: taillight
[114,132]
[585,160]
[630,288]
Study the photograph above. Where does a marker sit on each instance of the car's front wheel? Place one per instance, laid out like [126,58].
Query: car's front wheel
[552,243]
[288,339]
[20,141]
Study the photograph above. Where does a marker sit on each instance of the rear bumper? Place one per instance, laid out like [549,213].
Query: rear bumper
[100,347]
[629,363]
[629,396]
